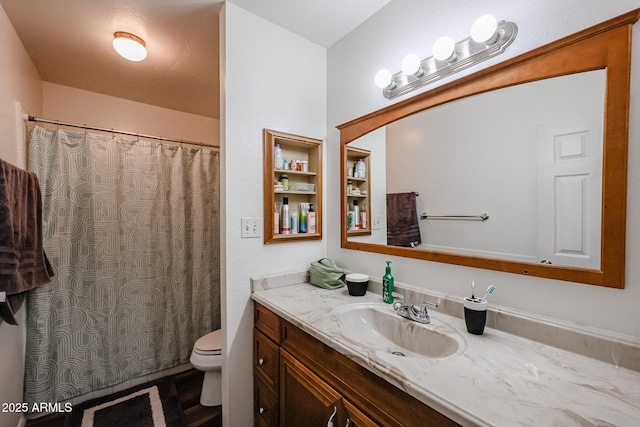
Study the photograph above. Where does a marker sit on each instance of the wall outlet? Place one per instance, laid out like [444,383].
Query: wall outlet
[250,228]
[375,224]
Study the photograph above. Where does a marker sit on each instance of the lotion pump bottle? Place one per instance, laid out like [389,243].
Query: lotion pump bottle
[387,285]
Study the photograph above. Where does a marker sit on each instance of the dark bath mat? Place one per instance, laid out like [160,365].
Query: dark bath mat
[153,404]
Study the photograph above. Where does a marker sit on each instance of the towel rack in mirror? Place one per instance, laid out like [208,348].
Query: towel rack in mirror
[482,217]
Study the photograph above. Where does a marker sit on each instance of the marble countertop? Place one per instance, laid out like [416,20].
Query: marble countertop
[498,379]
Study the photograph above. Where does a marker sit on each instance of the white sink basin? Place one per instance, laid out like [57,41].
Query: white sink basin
[378,327]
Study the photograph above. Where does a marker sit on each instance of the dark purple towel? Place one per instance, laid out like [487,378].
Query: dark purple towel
[23,263]
[402,220]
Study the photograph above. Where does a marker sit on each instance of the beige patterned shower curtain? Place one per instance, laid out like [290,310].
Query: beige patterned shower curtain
[132,231]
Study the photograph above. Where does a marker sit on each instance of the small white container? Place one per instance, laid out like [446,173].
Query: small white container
[300,186]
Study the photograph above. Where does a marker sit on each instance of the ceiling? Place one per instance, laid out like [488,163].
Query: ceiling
[69,42]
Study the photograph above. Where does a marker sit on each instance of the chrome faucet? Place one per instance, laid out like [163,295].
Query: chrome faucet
[410,311]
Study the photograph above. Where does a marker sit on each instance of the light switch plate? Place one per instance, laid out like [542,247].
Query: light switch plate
[375,224]
[250,228]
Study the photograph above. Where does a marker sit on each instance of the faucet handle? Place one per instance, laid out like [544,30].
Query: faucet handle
[398,300]
[426,304]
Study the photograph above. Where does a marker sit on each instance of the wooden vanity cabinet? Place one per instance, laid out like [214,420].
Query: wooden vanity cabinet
[266,367]
[314,378]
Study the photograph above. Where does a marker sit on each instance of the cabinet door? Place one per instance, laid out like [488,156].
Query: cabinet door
[265,410]
[356,418]
[306,400]
[265,359]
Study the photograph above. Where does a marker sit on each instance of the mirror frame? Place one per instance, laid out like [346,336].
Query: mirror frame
[603,46]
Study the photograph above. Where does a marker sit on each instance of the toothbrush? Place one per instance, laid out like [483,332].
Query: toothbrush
[473,289]
[490,290]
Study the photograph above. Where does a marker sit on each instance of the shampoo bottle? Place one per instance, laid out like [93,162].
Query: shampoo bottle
[356,215]
[387,285]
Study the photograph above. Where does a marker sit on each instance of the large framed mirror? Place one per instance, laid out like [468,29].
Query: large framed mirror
[520,167]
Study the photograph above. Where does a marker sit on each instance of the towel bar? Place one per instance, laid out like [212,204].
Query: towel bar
[482,217]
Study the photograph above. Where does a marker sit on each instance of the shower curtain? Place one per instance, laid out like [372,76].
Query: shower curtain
[132,231]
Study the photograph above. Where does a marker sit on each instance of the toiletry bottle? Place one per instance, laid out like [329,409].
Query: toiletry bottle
[349,187]
[285,218]
[311,219]
[294,222]
[363,219]
[303,217]
[387,285]
[277,154]
[356,215]
[285,182]
[351,224]
[276,219]
[361,169]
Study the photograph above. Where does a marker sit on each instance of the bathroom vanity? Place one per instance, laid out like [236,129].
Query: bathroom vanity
[310,358]
[297,378]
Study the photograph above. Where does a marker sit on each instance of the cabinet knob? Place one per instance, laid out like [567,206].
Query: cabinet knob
[261,361]
[261,410]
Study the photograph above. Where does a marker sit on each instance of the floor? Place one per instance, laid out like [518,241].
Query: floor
[188,383]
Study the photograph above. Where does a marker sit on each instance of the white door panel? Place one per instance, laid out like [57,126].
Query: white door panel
[570,193]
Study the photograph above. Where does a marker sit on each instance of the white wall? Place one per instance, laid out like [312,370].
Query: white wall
[73,105]
[271,79]
[405,26]
[19,85]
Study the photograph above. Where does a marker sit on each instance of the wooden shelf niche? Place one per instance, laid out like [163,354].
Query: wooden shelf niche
[300,148]
[360,189]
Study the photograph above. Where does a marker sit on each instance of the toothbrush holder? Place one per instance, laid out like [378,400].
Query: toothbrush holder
[475,314]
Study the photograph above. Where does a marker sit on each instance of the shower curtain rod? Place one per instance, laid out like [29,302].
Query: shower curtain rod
[121,132]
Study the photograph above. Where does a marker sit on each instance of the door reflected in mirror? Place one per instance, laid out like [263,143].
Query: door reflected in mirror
[529,156]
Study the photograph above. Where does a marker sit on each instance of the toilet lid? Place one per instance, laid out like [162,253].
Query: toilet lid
[212,342]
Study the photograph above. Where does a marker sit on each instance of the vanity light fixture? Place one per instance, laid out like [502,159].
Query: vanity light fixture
[444,49]
[129,46]
[384,79]
[488,38]
[410,65]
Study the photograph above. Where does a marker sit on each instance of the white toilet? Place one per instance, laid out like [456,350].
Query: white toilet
[207,356]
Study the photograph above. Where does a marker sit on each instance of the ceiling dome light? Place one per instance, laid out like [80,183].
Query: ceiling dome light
[484,29]
[384,79]
[444,49]
[129,46]
[410,65]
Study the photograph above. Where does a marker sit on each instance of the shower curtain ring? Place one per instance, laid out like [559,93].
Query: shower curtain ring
[137,137]
[113,135]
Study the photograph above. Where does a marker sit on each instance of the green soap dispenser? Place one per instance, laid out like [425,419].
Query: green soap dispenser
[387,285]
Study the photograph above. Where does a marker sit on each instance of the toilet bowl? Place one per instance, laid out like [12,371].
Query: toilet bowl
[207,357]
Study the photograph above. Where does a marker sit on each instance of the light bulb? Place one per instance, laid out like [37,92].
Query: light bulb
[411,64]
[384,78]
[444,48]
[129,46]
[483,29]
